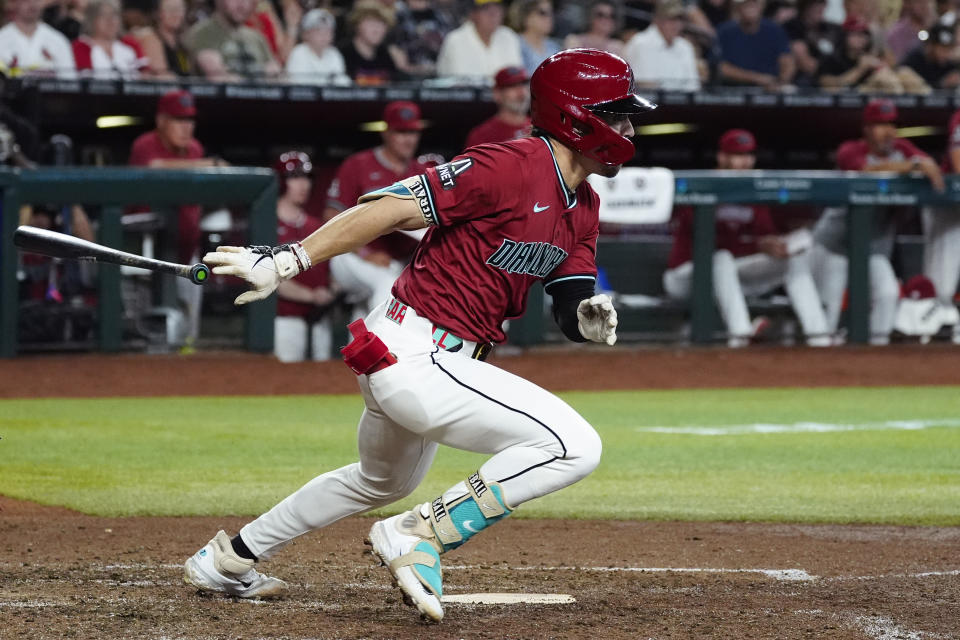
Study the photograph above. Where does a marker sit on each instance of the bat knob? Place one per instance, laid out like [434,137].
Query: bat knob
[200,273]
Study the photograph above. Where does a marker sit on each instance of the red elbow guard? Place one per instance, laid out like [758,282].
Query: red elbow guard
[367,353]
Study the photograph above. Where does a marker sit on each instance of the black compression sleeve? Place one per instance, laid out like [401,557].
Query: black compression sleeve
[567,294]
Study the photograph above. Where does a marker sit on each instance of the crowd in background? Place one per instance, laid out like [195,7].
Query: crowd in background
[890,46]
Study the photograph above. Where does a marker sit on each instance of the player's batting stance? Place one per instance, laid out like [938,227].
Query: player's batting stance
[500,218]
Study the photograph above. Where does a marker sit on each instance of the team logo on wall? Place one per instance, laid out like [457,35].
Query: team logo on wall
[448,172]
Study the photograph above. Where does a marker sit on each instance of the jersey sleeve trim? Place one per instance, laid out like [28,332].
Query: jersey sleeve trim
[414,188]
[555,281]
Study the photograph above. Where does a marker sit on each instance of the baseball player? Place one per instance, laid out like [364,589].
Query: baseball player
[367,274]
[751,257]
[500,218]
[941,229]
[511,92]
[878,150]
[300,320]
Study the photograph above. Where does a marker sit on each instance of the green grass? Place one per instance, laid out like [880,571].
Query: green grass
[217,456]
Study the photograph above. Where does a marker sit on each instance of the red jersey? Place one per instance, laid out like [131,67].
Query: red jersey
[953,141]
[737,229]
[854,155]
[316,276]
[496,130]
[362,173]
[501,219]
[149,147]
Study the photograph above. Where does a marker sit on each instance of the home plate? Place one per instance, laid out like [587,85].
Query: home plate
[508,598]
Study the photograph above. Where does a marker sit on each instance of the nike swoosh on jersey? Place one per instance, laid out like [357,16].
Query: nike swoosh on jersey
[537,208]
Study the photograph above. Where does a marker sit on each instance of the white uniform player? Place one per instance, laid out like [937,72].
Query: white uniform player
[941,230]
[878,150]
[501,218]
[751,258]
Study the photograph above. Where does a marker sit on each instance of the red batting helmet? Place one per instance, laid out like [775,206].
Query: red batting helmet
[570,88]
[292,164]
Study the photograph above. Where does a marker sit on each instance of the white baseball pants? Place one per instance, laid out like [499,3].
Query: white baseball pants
[364,282]
[941,252]
[736,278]
[290,342]
[830,274]
[539,444]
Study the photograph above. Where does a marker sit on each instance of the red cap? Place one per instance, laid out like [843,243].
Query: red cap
[401,115]
[177,103]
[879,110]
[919,287]
[510,76]
[738,141]
[855,24]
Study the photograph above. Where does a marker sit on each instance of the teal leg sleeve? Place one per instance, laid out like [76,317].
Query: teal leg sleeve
[457,522]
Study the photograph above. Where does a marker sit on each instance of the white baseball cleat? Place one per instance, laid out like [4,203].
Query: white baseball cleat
[216,567]
[412,559]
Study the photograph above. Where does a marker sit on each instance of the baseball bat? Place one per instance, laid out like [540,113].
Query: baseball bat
[60,245]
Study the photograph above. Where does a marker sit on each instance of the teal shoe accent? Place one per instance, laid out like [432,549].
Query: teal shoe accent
[430,575]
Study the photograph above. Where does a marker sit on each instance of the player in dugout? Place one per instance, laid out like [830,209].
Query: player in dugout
[511,93]
[500,218]
[751,258]
[367,274]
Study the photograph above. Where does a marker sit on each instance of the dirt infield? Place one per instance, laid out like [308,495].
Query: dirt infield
[69,575]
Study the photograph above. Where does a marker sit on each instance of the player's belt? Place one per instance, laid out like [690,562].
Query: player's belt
[449,342]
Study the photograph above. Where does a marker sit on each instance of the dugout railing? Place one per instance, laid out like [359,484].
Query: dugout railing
[114,190]
[862,193]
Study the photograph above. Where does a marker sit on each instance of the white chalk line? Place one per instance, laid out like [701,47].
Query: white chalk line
[800,427]
[875,627]
[784,575]
[788,575]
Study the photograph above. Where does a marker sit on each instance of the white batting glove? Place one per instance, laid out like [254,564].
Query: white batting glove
[597,319]
[264,268]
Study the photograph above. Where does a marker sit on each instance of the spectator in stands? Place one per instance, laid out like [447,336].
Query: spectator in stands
[781,11]
[30,47]
[315,60]
[600,30]
[367,275]
[533,21]
[936,59]
[366,54]
[812,39]
[902,37]
[708,15]
[750,258]
[265,21]
[878,150]
[66,17]
[754,51]
[511,92]
[855,65]
[421,28]
[171,145]
[99,51]
[223,48]
[660,57]
[302,303]
[481,46]
[162,42]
